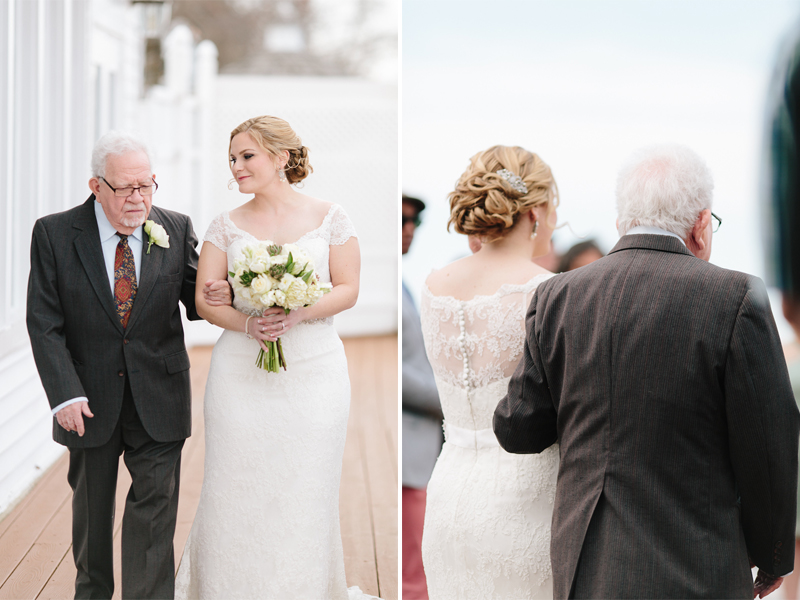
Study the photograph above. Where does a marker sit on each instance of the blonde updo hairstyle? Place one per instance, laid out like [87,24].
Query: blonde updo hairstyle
[484,204]
[275,136]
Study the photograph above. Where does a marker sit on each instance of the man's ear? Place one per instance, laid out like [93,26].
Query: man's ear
[94,185]
[695,241]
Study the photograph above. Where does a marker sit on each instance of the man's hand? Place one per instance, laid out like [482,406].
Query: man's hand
[765,584]
[217,293]
[71,417]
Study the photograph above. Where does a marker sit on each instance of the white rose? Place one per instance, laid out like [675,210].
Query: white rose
[268,299]
[280,298]
[157,234]
[285,282]
[260,265]
[297,267]
[260,285]
[278,259]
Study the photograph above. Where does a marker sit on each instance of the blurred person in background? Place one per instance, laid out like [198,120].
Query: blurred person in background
[487,523]
[422,425]
[580,255]
[783,227]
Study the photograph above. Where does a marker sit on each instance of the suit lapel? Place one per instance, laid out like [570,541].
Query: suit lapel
[148,273]
[87,245]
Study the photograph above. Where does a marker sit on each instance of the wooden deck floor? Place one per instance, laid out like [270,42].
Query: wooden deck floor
[35,548]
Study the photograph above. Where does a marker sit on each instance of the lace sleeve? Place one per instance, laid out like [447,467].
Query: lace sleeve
[341,227]
[216,233]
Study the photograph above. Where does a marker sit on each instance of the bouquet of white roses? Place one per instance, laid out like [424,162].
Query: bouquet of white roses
[268,275]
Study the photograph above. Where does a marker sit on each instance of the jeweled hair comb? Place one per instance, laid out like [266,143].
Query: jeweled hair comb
[514,180]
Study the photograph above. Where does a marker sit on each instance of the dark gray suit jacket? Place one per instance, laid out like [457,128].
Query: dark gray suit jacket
[80,346]
[662,378]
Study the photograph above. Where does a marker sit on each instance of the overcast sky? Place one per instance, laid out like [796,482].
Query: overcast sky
[583,84]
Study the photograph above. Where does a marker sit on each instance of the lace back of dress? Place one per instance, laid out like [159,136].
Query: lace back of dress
[473,343]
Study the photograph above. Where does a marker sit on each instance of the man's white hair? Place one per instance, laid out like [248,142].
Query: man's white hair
[115,143]
[663,186]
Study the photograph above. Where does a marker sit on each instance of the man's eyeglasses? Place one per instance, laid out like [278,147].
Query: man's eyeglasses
[144,190]
[415,220]
[715,223]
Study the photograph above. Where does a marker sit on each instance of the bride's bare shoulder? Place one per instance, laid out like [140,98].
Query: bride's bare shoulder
[315,206]
[442,281]
[474,276]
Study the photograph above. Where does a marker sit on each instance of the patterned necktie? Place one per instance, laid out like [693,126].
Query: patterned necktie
[124,279]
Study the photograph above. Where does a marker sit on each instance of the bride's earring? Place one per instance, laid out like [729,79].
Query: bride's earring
[535,229]
[281,175]
[230,183]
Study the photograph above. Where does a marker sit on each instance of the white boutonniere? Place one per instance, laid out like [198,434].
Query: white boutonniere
[157,235]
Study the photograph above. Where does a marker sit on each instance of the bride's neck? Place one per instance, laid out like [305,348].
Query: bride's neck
[277,197]
[516,244]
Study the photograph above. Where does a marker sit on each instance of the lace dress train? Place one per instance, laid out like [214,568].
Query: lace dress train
[488,513]
[267,525]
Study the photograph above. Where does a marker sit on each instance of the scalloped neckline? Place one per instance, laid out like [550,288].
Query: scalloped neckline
[503,290]
[227,215]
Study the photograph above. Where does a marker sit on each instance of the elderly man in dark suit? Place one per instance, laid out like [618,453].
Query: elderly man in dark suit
[663,380]
[107,338]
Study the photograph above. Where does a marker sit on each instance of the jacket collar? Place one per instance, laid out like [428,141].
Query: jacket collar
[650,241]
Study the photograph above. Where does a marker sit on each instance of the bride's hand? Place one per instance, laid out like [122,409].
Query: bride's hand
[275,322]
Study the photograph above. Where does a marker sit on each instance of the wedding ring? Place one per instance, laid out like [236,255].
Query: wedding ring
[283,325]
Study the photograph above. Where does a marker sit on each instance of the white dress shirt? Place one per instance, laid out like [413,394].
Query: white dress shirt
[108,242]
[654,230]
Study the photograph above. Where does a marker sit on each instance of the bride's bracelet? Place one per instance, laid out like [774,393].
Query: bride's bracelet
[247,328]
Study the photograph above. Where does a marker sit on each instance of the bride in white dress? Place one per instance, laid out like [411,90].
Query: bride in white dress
[488,514]
[267,525]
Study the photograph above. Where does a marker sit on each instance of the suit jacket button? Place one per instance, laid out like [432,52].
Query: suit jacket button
[777,561]
[121,374]
[778,544]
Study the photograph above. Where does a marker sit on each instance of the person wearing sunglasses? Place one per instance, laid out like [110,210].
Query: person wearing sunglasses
[422,424]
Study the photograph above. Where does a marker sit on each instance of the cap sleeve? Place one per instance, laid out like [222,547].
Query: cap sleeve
[341,227]
[217,233]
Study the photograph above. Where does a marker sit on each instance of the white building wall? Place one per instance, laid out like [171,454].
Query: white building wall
[68,71]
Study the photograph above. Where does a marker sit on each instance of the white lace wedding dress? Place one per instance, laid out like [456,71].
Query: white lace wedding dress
[487,519]
[267,525]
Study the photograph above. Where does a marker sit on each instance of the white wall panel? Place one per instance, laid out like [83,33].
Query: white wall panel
[47,97]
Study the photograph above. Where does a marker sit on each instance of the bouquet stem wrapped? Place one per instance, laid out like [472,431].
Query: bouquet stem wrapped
[272,360]
[267,275]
